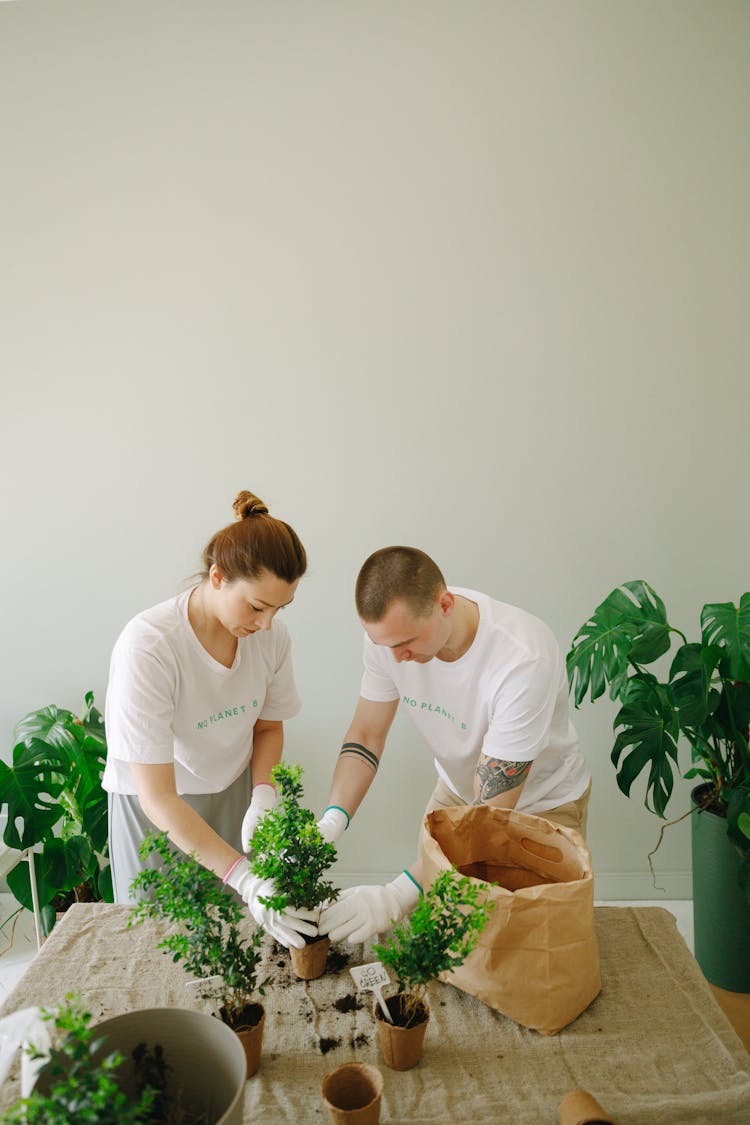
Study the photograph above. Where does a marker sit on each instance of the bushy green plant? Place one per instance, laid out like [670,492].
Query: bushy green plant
[288,848]
[705,699]
[208,942]
[438,936]
[53,790]
[80,1090]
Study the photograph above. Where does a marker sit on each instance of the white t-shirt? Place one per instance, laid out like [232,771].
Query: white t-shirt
[168,700]
[506,697]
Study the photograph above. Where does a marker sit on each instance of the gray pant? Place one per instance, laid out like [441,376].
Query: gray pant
[129,825]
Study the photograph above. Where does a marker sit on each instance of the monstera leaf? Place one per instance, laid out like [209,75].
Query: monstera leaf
[690,678]
[53,796]
[30,788]
[629,626]
[647,739]
[53,725]
[724,624]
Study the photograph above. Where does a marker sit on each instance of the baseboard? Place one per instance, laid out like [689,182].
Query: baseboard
[609,886]
[628,885]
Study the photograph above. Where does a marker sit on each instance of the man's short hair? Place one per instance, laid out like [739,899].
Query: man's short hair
[403,573]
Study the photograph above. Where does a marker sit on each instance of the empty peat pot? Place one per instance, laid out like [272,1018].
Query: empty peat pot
[352,1094]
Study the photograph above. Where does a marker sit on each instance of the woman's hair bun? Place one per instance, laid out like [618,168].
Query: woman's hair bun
[247,504]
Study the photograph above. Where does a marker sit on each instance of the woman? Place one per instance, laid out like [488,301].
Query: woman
[199,688]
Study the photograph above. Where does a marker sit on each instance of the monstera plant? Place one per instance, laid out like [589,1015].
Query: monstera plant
[54,802]
[703,700]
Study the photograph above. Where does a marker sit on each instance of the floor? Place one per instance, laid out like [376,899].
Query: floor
[18,944]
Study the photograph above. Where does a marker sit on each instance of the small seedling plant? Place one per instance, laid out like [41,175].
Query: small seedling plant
[80,1089]
[438,936]
[208,943]
[288,848]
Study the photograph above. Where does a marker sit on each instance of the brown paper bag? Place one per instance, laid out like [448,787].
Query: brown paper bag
[537,960]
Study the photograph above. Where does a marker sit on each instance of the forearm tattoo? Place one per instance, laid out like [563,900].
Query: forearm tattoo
[361,752]
[497,777]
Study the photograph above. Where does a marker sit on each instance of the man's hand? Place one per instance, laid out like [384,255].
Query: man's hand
[265,797]
[287,926]
[363,911]
[333,823]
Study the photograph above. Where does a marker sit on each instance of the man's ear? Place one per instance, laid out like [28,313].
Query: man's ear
[446,601]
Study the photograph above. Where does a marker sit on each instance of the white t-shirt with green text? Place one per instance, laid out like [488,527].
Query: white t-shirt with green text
[506,697]
[168,700]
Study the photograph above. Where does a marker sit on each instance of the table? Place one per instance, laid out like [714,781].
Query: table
[654,1047]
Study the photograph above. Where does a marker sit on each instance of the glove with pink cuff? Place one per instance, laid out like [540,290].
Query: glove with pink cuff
[360,912]
[265,797]
[286,926]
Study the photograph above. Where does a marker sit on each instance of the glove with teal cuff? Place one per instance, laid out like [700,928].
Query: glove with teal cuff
[333,824]
[363,911]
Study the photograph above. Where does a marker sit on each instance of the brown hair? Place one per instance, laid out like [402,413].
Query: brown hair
[256,542]
[397,572]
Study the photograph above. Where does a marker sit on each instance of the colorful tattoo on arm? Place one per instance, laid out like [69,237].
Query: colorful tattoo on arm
[496,776]
[361,752]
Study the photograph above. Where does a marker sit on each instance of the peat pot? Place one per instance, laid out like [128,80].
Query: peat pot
[721,913]
[249,1031]
[309,962]
[401,1047]
[351,1094]
[208,1066]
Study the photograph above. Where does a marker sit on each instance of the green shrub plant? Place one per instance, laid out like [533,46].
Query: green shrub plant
[208,942]
[438,936]
[288,848]
[78,1089]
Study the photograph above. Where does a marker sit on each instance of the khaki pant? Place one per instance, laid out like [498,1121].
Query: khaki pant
[573,814]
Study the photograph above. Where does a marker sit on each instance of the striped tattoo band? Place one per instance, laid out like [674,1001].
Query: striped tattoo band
[361,752]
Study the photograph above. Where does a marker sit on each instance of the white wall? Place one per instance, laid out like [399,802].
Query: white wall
[472,276]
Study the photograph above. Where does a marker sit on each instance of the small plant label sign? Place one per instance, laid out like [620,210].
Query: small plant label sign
[371,978]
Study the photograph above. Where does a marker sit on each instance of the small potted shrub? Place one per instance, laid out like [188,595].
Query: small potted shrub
[288,848]
[208,942]
[437,937]
[53,798]
[157,1065]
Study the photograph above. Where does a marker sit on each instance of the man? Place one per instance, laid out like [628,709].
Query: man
[484,683]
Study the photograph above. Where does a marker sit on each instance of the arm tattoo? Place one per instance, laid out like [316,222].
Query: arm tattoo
[497,777]
[361,752]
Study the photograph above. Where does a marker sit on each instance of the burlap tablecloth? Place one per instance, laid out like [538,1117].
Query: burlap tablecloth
[654,1047]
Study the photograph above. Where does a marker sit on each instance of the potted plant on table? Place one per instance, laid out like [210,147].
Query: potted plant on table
[704,700]
[155,1065]
[437,937]
[288,848]
[208,942]
[53,791]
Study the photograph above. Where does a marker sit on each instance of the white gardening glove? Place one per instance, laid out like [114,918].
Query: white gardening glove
[363,911]
[287,926]
[333,824]
[265,797]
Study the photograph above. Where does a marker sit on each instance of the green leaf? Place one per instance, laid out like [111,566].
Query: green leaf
[743,823]
[690,682]
[631,618]
[53,725]
[725,624]
[104,884]
[30,788]
[647,738]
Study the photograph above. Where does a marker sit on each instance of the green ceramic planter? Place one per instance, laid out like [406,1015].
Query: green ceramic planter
[721,913]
